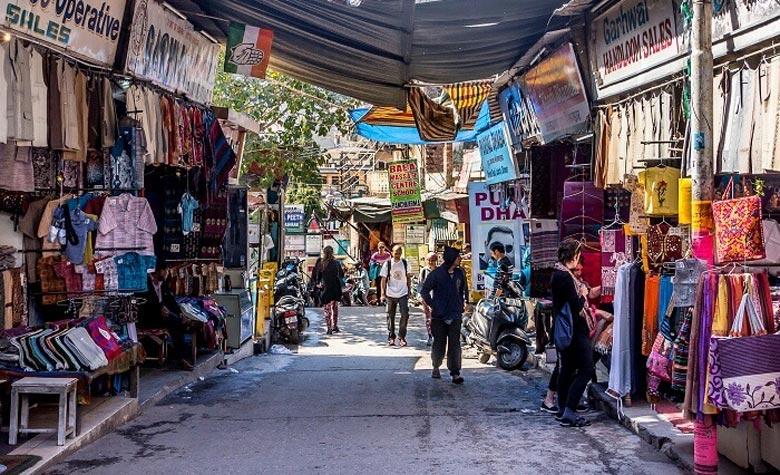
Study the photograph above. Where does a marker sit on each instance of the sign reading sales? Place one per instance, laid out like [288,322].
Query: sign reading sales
[167,51]
[497,160]
[634,36]
[405,196]
[89,29]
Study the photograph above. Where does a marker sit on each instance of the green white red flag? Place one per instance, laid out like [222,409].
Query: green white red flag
[248,50]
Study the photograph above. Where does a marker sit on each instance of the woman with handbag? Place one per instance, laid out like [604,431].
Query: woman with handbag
[577,358]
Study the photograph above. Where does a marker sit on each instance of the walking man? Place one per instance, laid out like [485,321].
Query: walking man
[395,286]
[445,292]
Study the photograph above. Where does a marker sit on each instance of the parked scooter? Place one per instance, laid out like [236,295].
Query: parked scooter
[359,294]
[289,315]
[497,327]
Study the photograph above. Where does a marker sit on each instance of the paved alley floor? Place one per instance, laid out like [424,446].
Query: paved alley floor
[348,404]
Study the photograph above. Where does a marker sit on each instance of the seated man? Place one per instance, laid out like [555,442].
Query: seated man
[162,311]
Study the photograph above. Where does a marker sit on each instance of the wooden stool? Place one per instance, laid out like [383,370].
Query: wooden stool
[65,388]
[160,337]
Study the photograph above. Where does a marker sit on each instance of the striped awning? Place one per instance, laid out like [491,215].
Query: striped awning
[465,98]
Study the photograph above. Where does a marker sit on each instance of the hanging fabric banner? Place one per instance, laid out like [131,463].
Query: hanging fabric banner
[248,50]
[405,192]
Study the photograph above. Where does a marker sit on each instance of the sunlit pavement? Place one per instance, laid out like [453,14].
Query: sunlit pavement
[349,404]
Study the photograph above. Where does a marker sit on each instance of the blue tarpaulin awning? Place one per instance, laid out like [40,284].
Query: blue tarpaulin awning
[410,135]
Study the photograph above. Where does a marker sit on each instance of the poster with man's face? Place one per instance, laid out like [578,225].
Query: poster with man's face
[490,223]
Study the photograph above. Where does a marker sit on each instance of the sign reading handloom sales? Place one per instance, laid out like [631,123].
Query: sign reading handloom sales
[634,36]
[405,196]
[89,29]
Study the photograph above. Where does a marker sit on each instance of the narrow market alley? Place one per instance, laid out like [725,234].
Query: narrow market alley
[348,404]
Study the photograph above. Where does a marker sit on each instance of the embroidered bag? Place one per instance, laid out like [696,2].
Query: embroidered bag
[744,371]
[739,234]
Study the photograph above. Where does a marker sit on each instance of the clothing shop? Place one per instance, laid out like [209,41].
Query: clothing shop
[114,204]
[682,302]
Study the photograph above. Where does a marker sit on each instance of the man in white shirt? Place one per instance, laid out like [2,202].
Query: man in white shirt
[396,282]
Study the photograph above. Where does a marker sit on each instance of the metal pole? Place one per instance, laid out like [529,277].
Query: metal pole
[702,178]
[702,170]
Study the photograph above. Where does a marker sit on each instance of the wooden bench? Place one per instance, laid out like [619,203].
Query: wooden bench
[64,388]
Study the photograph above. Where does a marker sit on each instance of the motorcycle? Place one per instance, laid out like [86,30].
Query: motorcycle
[290,302]
[497,327]
[359,293]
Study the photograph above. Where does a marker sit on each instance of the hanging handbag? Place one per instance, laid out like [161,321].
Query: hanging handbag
[563,328]
[744,371]
[739,234]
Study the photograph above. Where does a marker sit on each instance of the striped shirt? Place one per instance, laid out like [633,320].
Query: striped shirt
[127,223]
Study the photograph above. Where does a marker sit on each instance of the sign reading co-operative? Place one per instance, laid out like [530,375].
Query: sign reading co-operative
[89,29]
[497,161]
[166,50]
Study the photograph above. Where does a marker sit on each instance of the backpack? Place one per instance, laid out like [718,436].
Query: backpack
[389,261]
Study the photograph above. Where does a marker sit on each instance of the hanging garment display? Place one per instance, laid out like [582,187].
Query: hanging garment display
[636,223]
[616,250]
[20,95]
[686,275]
[660,188]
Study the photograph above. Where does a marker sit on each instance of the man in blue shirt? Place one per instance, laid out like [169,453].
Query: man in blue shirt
[445,291]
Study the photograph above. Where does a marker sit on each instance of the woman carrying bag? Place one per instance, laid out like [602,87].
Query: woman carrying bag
[577,357]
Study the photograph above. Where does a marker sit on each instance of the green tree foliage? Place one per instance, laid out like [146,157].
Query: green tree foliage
[291,114]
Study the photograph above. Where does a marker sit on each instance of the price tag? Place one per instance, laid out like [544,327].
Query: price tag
[196,227]
[175,248]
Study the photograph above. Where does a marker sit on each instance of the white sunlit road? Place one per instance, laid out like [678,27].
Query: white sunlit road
[348,404]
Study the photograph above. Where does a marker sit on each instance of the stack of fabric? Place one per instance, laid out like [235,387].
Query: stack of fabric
[201,310]
[88,345]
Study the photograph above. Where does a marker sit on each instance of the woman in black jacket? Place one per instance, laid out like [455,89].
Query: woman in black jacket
[329,274]
[576,360]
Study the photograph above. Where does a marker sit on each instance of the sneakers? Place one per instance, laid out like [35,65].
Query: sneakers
[436,374]
[549,409]
[430,341]
[336,329]
[391,342]
[583,408]
[458,379]
[402,342]
[329,332]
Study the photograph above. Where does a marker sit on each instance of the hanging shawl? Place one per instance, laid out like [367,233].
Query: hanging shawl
[222,154]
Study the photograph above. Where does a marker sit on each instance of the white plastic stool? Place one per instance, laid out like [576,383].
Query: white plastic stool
[65,388]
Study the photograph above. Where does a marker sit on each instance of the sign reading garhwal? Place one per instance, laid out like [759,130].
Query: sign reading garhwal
[248,50]
[405,196]
[166,50]
[557,94]
[497,160]
[632,37]
[89,29]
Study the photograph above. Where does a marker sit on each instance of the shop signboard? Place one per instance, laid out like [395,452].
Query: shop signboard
[412,255]
[399,234]
[295,245]
[415,234]
[497,160]
[738,15]
[490,223]
[166,50]
[519,115]
[557,94]
[314,244]
[294,218]
[634,36]
[405,196]
[89,29]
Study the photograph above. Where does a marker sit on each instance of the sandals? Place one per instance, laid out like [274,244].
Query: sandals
[578,422]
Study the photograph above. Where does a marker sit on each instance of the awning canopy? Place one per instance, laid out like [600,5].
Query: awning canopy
[371,210]
[408,134]
[374,50]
